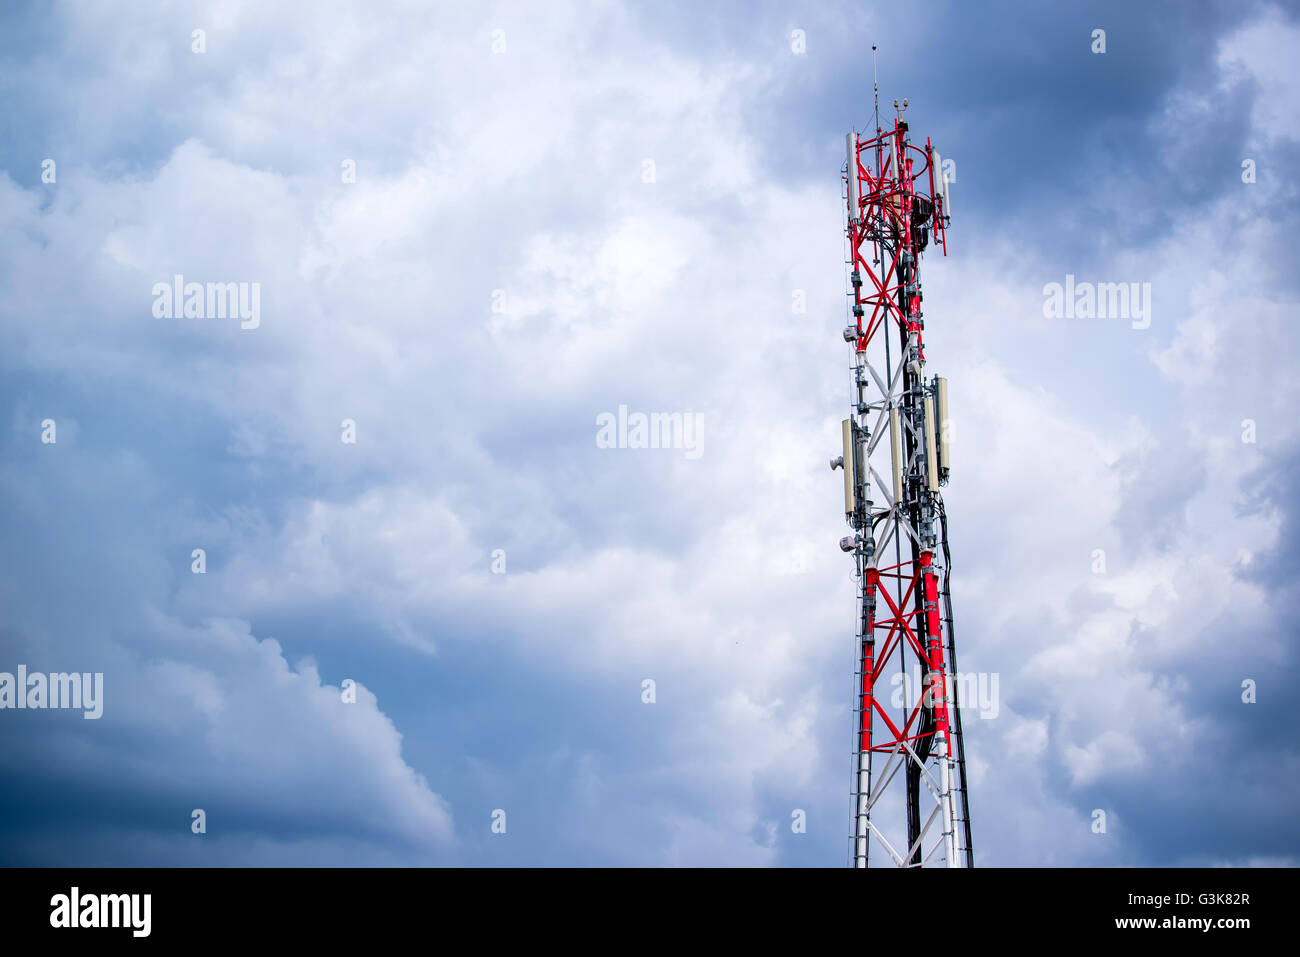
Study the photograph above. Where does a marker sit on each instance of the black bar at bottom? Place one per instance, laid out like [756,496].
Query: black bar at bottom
[1223,907]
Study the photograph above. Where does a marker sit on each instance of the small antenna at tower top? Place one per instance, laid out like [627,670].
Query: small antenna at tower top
[875,84]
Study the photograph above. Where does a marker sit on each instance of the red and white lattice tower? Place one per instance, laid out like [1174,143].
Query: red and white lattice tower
[910,770]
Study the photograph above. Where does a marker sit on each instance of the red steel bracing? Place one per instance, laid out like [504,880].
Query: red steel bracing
[888,198]
[938,686]
[927,653]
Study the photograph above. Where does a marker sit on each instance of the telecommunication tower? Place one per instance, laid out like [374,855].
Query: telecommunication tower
[909,795]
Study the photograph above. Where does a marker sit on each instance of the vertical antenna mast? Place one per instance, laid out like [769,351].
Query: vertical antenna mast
[875,84]
[897,426]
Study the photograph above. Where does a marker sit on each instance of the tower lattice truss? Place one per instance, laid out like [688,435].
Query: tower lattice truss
[909,799]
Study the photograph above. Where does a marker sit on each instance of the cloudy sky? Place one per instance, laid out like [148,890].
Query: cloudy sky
[477,227]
